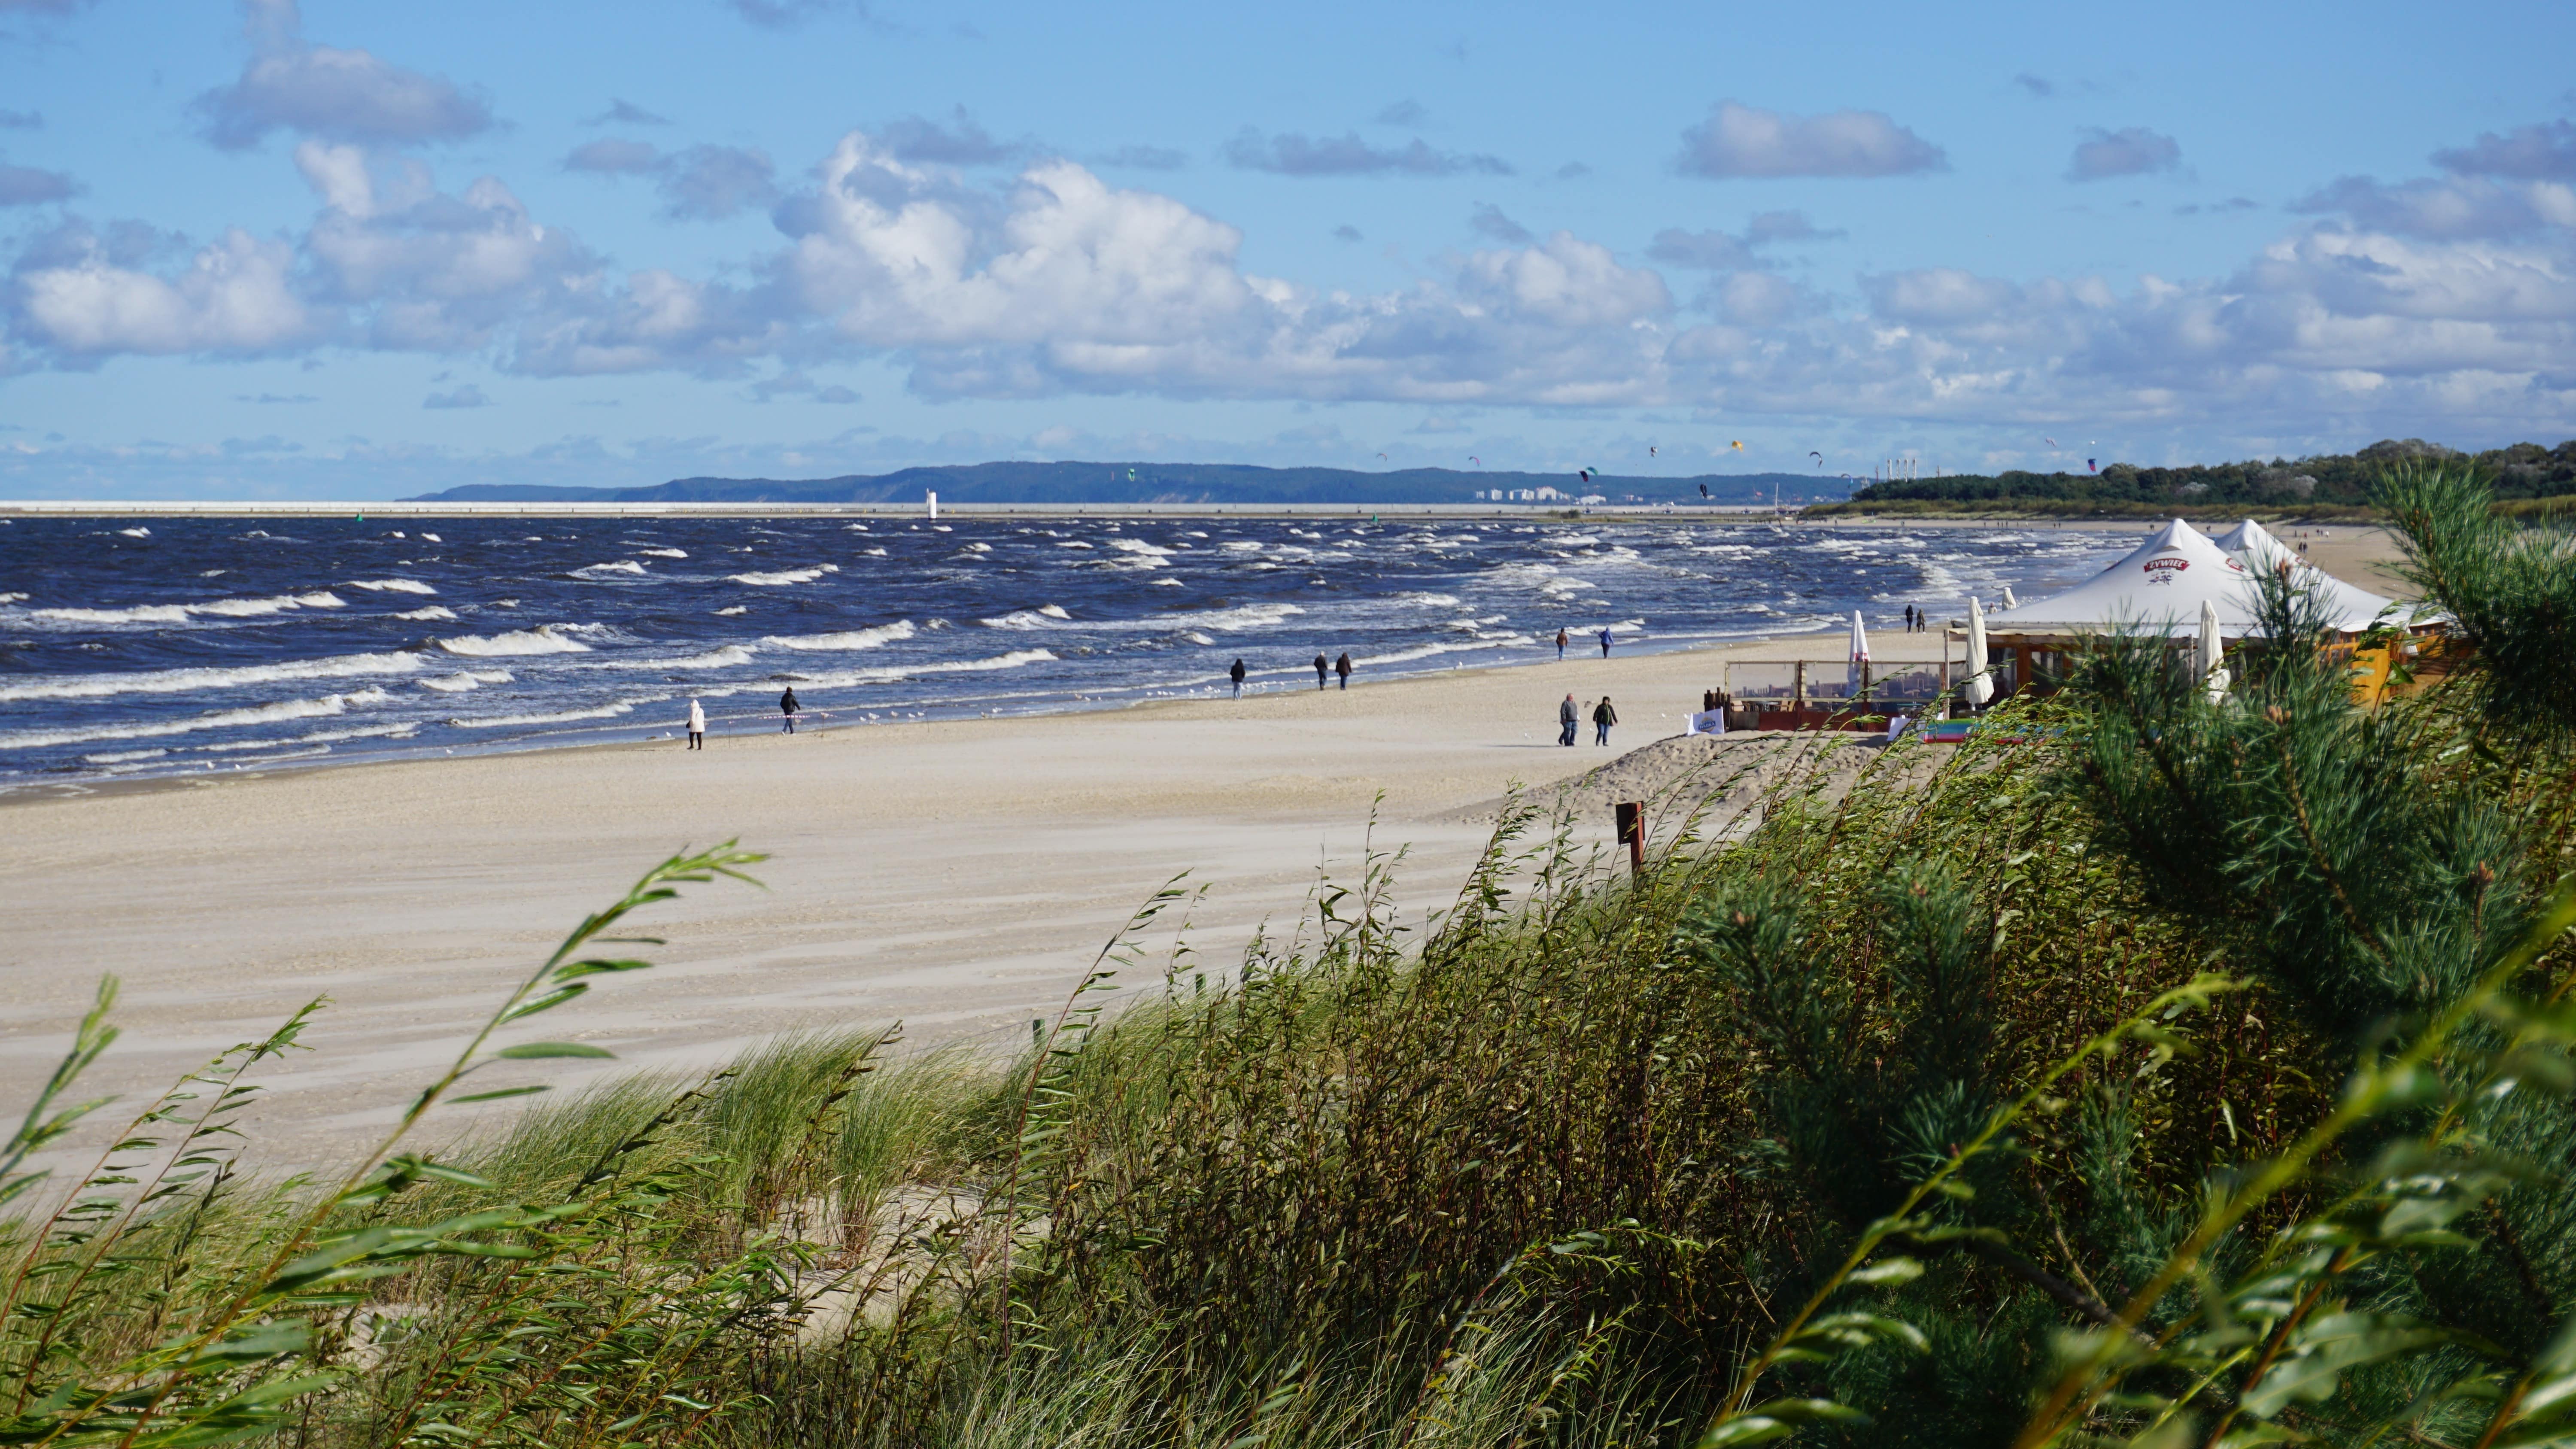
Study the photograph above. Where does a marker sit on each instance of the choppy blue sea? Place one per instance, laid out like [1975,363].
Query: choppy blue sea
[172,646]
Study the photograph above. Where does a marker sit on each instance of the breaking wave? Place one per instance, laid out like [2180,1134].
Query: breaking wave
[181,681]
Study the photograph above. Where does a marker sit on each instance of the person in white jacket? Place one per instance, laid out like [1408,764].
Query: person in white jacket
[697,725]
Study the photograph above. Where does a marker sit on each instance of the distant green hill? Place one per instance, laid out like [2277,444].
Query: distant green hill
[1167,483]
[2330,481]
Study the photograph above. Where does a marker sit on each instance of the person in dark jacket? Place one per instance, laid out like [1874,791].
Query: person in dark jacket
[1342,667]
[1603,717]
[788,706]
[1568,720]
[1323,666]
[1236,674]
[1605,643]
[1561,642]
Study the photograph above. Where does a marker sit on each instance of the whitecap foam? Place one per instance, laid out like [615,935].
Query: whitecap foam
[433,611]
[329,704]
[663,552]
[120,757]
[464,680]
[568,716]
[543,639]
[878,637]
[736,609]
[182,681]
[619,566]
[1017,658]
[1042,617]
[255,608]
[13,598]
[182,613]
[433,538]
[723,657]
[135,532]
[140,614]
[392,586]
[785,576]
[1426,651]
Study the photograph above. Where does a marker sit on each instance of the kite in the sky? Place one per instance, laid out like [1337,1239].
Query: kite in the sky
[1584,473]
[1819,457]
[1737,445]
[1479,462]
[1381,457]
[1703,490]
[1650,452]
[2052,442]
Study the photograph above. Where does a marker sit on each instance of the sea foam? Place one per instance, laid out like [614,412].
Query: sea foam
[181,681]
[329,704]
[569,716]
[879,636]
[785,577]
[543,639]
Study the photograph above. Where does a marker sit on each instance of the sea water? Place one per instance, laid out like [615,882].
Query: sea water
[189,645]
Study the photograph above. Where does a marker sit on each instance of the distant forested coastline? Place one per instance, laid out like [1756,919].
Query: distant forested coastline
[2527,477]
[1077,482]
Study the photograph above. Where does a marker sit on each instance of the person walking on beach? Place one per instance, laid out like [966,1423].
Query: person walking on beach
[1236,674]
[697,725]
[1909,618]
[1561,642]
[1323,667]
[1568,720]
[1603,717]
[788,706]
[1605,642]
[1342,667]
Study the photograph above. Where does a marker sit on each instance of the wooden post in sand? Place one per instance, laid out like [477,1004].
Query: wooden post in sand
[1632,833]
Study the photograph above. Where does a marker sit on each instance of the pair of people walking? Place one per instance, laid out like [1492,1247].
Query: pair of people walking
[788,708]
[1341,666]
[1569,720]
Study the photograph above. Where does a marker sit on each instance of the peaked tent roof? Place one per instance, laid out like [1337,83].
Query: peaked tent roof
[2252,545]
[2160,587]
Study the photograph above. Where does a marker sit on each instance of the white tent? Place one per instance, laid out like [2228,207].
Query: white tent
[2160,588]
[2253,546]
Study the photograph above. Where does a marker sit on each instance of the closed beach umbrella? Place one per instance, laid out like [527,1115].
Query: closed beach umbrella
[2210,651]
[1859,679]
[1980,687]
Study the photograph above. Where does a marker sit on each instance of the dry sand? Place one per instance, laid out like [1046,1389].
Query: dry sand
[956,877]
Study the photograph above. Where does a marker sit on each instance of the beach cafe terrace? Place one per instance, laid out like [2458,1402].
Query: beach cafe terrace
[2197,591]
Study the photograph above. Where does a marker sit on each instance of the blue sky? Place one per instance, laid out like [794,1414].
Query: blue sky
[359,251]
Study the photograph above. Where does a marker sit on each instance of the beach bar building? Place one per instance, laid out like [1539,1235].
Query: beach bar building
[2162,586]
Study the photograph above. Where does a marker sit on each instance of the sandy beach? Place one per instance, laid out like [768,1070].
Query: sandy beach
[956,877]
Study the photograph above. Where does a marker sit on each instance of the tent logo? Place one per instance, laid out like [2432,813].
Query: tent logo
[2163,570]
